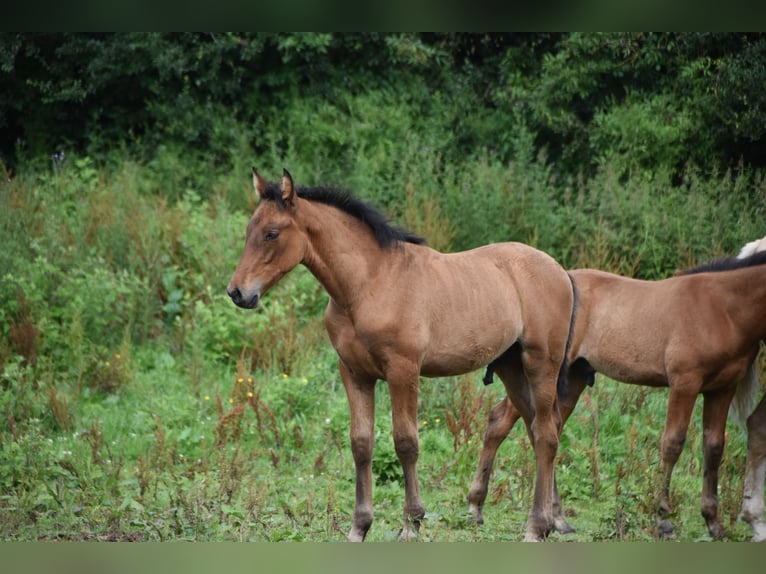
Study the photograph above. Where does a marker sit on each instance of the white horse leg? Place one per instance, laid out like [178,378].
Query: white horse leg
[752,499]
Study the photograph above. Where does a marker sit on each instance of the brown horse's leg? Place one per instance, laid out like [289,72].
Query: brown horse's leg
[715,409]
[361,402]
[501,420]
[680,407]
[752,498]
[403,385]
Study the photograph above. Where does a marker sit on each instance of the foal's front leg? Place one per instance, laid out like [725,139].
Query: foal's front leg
[361,401]
[680,407]
[715,409]
[403,385]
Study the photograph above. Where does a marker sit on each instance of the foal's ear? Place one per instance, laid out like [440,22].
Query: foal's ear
[259,184]
[288,189]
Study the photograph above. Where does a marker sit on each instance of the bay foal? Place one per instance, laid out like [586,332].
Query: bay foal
[399,310]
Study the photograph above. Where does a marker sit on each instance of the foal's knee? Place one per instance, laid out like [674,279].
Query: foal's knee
[545,437]
[713,451]
[498,412]
[406,446]
[672,446]
[361,448]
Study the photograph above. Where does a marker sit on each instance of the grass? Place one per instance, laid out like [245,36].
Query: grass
[157,461]
[139,404]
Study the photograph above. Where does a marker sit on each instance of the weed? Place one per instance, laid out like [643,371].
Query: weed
[462,418]
[24,334]
[59,408]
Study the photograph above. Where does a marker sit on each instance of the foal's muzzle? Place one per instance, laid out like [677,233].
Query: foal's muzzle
[239,299]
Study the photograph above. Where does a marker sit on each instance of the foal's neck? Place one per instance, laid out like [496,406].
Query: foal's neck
[342,252]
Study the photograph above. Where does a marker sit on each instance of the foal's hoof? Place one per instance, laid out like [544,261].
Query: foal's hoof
[408,535]
[536,535]
[716,531]
[665,530]
[475,514]
[563,527]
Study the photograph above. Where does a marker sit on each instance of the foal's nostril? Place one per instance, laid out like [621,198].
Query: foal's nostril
[235,294]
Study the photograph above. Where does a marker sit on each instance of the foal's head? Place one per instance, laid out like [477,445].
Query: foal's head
[274,243]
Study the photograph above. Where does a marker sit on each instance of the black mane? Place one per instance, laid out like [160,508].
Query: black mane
[386,234]
[727,264]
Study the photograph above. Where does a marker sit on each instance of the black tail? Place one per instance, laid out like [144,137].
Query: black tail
[563,379]
[489,374]
[562,386]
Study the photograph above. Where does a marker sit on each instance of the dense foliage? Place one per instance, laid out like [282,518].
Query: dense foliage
[653,99]
[138,403]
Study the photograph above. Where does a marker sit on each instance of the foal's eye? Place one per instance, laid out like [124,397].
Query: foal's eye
[271,235]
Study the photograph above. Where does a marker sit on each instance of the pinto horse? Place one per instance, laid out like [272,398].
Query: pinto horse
[755,470]
[399,309]
[696,333]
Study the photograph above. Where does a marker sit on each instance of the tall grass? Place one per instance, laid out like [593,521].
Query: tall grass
[138,404]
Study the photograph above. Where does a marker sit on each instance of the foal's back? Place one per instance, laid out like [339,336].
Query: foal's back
[641,331]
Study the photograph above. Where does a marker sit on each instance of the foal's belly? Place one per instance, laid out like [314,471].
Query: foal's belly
[446,366]
[647,372]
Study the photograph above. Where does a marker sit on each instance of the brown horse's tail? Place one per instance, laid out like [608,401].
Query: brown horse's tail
[746,395]
[562,386]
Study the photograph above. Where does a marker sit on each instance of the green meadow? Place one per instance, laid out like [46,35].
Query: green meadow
[137,403]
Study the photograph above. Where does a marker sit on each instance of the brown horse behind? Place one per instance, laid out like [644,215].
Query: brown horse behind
[697,333]
[399,310]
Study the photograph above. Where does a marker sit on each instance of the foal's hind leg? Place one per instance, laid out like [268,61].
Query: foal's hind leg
[752,498]
[502,418]
[536,401]
[715,409]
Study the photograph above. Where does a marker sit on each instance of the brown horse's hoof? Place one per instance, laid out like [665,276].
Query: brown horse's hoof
[665,530]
